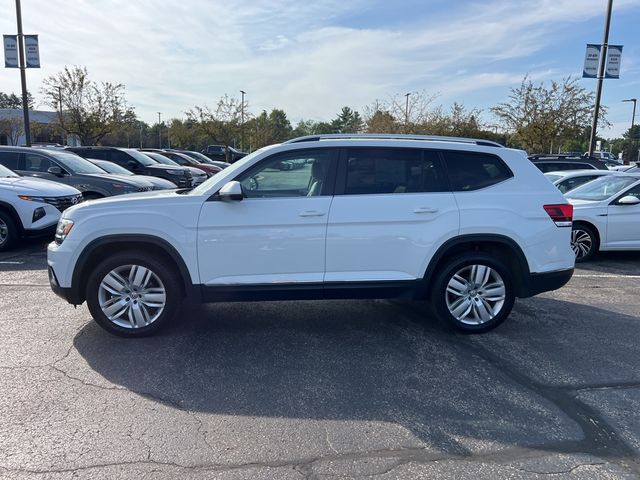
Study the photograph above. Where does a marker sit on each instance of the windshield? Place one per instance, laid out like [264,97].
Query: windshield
[141,157]
[161,158]
[112,167]
[75,163]
[238,166]
[5,172]
[601,188]
[198,156]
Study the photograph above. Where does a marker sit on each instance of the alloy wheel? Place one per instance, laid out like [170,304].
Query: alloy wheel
[475,294]
[4,232]
[132,296]
[581,243]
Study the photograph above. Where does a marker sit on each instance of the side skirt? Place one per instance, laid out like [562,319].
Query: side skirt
[311,291]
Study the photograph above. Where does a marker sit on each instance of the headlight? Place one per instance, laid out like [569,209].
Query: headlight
[29,198]
[174,172]
[122,186]
[64,228]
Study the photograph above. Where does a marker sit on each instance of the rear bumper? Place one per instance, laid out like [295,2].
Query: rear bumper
[536,283]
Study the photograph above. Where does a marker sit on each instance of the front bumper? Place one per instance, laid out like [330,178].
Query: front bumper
[65,293]
[536,283]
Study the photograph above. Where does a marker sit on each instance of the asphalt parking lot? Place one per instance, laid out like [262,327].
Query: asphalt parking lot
[344,389]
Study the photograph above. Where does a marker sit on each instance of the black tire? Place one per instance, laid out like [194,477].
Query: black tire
[584,242]
[8,231]
[473,297]
[168,277]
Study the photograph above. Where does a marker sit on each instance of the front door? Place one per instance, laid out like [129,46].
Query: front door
[276,234]
[623,223]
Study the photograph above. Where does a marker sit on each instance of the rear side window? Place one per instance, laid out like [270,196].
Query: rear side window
[10,159]
[373,171]
[563,166]
[473,171]
[97,154]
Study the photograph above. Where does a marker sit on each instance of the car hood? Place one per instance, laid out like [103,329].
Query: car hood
[161,166]
[37,186]
[158,182]
[196,172]
[124,179]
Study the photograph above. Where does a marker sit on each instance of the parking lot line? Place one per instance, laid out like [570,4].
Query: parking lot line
[606,275]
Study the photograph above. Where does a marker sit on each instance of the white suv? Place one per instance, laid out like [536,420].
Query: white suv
[466,224]
[30,207]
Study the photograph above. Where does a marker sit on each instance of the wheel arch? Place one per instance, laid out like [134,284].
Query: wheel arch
[500,246]
[593,227]
[14,214]
[98,249]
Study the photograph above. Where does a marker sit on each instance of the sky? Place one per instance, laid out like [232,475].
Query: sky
[312,58]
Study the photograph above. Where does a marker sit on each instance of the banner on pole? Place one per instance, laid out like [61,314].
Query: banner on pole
[614,55]
[32,51]
[591,60]
[10,51]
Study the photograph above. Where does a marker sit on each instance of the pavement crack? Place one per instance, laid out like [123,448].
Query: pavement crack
[328,440]
[557,472]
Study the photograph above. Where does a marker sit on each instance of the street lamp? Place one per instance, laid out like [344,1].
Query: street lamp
[633,118]
[159,132]
[242,121]
[406,113]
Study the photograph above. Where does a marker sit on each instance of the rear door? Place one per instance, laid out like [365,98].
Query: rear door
[391,211]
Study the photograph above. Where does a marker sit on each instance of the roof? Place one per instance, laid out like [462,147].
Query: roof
[39,116]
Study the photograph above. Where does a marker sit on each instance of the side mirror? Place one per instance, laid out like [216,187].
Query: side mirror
[231,191]
[628,200]
[57,171]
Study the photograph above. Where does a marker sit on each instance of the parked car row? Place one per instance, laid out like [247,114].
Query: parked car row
[606,209]
[86,173]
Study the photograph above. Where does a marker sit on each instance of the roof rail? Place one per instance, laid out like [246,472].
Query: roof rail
[394,136]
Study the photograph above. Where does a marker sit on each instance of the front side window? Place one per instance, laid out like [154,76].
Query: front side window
[37,163]
[602,188]
[574,182]
[374,171]
[302,173]
[473,171]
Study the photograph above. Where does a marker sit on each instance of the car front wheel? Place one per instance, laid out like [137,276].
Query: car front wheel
[473,293]
[133,295]
[8,231]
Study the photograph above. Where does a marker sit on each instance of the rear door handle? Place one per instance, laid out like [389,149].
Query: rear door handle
[311,213]
[425,210]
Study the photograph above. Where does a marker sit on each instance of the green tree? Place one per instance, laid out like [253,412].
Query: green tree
[542,118]
[14,101]
[85,108]
[347,121]
[223,124]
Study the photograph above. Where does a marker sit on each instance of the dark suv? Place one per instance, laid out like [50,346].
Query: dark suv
[138,163]
[65,167]
[221,152]
[562,163]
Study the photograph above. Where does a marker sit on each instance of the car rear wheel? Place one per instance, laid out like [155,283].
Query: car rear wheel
[133,295]
[583,242]
[8,231]
[473,293]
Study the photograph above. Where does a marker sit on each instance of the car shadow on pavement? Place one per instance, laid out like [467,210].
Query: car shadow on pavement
[623,263]
[377,361]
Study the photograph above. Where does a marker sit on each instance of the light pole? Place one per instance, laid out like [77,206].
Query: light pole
[601,68]
[23,76]
[242,121]
[633,118]
[159,132]
[406,113]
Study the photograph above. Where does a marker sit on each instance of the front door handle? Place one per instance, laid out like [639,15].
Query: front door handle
[425,210]
[311,213]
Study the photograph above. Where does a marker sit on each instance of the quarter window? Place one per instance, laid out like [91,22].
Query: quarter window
[372,171]
[299,174]
[473,171]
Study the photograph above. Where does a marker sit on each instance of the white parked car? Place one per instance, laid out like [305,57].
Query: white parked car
[467,224]
[566,181]
[606,215]
[30,207]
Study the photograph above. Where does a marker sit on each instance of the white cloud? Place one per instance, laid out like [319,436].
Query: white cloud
[289,54]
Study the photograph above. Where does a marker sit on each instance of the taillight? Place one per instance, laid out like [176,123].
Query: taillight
[561,214]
